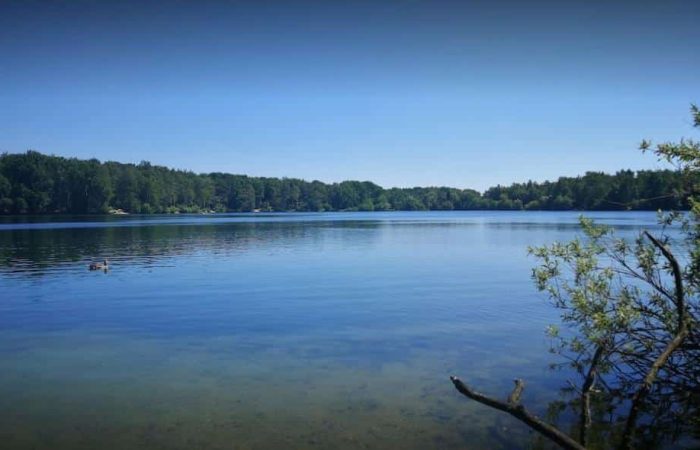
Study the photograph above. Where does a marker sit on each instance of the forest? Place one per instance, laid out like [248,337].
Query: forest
[35,183]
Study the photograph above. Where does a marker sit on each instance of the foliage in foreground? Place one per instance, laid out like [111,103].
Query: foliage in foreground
[630,315]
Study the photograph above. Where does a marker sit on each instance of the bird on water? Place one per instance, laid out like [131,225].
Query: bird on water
[104,265]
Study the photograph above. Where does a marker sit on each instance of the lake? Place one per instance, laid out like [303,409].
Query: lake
[251,331]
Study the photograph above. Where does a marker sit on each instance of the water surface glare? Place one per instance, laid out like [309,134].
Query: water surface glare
[257,331]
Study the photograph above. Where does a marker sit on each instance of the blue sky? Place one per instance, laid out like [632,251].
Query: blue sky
[402,93]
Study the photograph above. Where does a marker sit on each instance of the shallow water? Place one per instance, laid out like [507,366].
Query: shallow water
[274,330]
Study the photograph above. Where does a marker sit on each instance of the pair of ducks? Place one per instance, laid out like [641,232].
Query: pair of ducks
[104,265]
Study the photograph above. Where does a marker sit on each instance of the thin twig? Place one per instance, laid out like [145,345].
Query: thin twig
[586,394]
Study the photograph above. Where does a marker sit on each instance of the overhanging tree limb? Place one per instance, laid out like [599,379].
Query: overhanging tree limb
[517,410]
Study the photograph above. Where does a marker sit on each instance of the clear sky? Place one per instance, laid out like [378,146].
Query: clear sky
[402,93]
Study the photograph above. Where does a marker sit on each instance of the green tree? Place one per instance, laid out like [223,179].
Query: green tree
[126,190]
[345,195]
[5,191]
[204,190]
[98,188]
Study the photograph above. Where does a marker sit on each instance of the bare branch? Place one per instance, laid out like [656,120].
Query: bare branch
[519,412]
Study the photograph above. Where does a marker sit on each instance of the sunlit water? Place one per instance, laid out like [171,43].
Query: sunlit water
[274,330]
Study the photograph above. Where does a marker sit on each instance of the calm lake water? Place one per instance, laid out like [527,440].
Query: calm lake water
[274,330]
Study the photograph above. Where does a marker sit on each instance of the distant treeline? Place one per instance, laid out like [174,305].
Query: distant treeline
[34,183]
